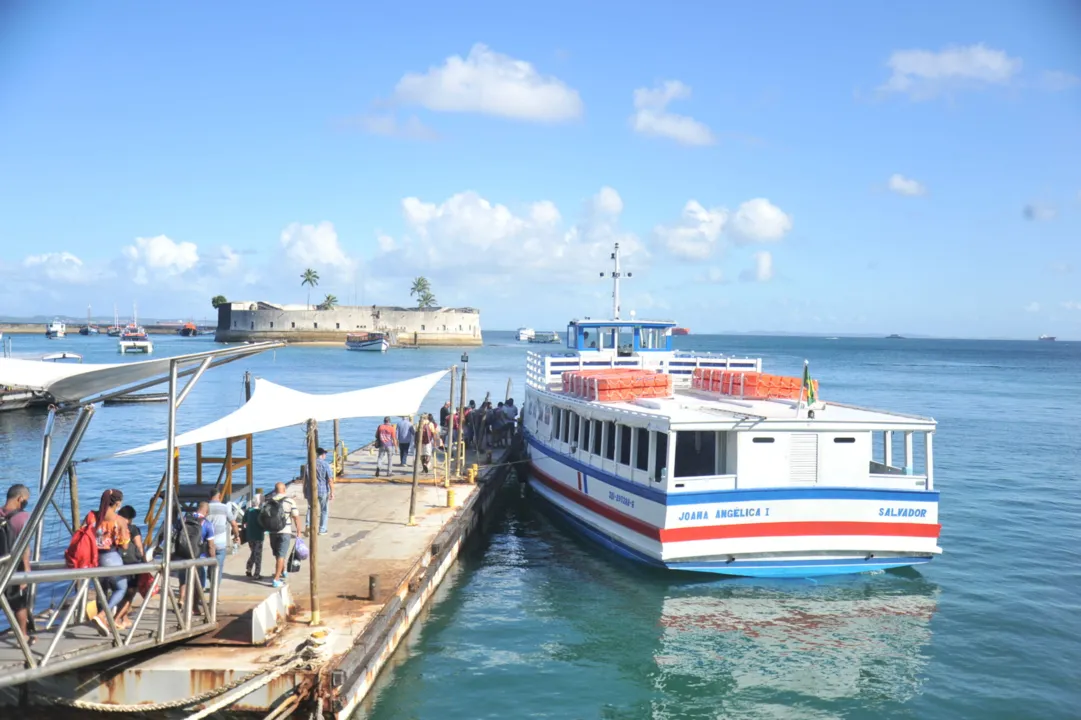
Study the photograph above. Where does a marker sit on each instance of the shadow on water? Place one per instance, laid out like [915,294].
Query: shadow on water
[538,622]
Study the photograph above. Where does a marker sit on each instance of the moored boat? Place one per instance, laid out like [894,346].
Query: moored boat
[681,331]
[134,339]
[56,330]
[367,341]
[1047,338]
[545,337]
[703,463]
[188,330]
[524,334]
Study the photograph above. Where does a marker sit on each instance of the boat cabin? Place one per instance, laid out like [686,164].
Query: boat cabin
[620,337]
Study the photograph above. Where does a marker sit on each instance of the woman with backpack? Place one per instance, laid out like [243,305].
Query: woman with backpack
[111,533]
[133,554]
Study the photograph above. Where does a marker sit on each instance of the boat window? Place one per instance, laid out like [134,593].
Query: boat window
[641,455]
[337,326]
[762,440]
[566,418]
[624,445]
[272,326]
[844,439]
[652,339]
[660,457]
[294,325]
[316,326]
[585,434]
[696,453]
[610,440]
[597,424]
[253,326]
[572,436]
[555,423]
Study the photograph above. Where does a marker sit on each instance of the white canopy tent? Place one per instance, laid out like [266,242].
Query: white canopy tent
[274,406]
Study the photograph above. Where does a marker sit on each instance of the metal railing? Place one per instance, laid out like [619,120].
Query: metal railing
[543,370]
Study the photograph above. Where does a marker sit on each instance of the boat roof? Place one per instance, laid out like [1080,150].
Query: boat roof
[633,322]
[692,409]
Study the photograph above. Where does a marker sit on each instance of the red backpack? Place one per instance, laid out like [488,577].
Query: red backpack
[82,551]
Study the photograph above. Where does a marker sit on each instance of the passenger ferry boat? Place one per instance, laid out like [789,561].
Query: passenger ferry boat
[134,340]
[367,341]
[56,330]
[700,462]
[525,334]
[542,337]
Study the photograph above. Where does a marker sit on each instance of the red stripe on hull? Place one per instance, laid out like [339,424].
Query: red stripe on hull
[743,530]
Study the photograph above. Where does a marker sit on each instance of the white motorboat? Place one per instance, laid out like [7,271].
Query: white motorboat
[525,334]
[56,330]
[134,339]
[544,337]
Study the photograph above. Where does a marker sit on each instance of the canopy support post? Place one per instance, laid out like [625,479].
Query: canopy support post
[416,470]
[460,444]
[313,530]
[73,480]
[337,441]
[448,447]
[46,447]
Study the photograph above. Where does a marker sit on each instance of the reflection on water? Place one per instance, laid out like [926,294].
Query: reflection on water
[543,624]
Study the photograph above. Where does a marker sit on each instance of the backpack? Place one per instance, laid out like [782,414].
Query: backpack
[272,516]
[192,529]
[82,551]
[7,535]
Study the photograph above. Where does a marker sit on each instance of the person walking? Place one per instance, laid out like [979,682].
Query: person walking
[253,533]
[281,518]
[324,482]
[113,538]
[13,517]
[429,439]
[223,517]
[386,439]
[405,433]
[194,538]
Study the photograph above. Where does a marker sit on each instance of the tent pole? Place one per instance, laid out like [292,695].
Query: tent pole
[313,529]
[337,441]
[448,447]
[167,525]
[416,470]
[460,445]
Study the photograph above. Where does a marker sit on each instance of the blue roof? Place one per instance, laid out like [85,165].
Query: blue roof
[589,322]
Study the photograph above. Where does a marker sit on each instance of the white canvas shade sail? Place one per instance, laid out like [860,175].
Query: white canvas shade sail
[274,406]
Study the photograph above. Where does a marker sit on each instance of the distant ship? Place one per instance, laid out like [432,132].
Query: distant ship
[525,334]
[681,331]
[1047,338]
[894,337]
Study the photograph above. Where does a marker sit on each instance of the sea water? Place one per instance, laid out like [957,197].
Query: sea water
[537,623]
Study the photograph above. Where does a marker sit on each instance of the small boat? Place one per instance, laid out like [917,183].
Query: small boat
[54,357]
[525,334]
[115,329]
[56,330]
[894,337]
[703,463]
[1047,338]
[545,337]
[90,328]
[681,331]
[367,341]
[189,330]
[135,340]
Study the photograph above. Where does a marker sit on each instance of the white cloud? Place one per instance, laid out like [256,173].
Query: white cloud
[226,260]
[468,235]
[1038,212]
[1071,305]
[762,270]
[924,74]
[159,258]
[316,247]
[1032,307]
[651,116]
[906,186]
[1058,80]
[696,234]
[387,125]
[713,275]
[759,220]
[57,266]
[493,84]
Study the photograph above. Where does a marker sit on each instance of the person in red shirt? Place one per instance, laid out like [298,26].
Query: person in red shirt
[386,439]
[14,513]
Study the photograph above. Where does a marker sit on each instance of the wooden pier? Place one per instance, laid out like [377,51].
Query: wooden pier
[376,574]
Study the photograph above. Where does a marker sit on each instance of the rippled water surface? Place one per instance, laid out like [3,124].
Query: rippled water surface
[538,624]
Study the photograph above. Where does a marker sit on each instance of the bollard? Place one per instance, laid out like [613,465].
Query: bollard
[373,587]
[450,497]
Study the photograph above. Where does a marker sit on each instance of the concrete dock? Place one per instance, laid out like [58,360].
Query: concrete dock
[265,652]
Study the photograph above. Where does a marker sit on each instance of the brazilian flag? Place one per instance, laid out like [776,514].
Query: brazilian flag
[808,386]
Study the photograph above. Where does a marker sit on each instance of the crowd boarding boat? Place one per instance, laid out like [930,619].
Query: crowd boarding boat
[544,337]
[56,330]
[703,463]
[134,339]
[367,341]
[525,334]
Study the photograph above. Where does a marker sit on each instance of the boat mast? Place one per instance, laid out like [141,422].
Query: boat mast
[616,275]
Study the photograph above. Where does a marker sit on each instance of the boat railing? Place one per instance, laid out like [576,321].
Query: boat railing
[544,370]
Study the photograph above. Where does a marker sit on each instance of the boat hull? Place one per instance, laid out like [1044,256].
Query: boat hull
[673,533]
[135,346]
[369,346]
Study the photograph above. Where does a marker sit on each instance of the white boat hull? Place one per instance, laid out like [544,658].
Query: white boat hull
[810,531]
[381,345]
[135,346]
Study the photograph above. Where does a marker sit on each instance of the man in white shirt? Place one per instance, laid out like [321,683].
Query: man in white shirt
[281,541]
[224,517]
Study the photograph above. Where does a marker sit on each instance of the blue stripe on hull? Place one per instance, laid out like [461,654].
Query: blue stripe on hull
[719,496]
[738,568]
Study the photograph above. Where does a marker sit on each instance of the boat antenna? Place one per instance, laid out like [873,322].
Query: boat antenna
[615,275]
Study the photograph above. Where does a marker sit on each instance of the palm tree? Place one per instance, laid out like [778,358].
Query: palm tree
[310,278]
[328,303]
[426,300]
[420,286]
[218,300]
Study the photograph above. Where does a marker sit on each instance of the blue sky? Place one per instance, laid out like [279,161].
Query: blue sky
[830,167]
